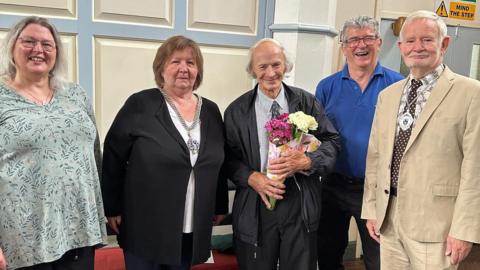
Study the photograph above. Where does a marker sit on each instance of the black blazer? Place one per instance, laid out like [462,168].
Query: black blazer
[243,158]
[146,167]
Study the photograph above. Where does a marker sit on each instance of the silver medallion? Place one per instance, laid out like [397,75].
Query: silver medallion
[193,145]
[405,121]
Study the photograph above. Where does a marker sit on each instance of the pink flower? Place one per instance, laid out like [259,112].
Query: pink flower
[279,130]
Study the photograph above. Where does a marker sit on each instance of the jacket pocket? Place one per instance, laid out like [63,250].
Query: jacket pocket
[311,192]
[445,190]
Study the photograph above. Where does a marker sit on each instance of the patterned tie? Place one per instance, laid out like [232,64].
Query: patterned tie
[275,109]
[403,136]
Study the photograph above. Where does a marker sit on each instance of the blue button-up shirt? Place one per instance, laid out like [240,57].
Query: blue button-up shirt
[351,111]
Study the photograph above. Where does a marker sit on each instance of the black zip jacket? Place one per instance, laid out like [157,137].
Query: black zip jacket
[243,158]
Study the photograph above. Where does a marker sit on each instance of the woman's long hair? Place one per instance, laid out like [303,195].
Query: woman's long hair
[7,64]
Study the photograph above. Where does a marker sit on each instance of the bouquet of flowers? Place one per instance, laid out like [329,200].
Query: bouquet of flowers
[289,131]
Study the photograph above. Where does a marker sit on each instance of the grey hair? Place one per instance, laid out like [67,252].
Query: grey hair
[7,64]
[359,22]
[427,15]
[288,62]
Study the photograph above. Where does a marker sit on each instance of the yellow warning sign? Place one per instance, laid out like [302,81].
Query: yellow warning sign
[463,11]
[442,10]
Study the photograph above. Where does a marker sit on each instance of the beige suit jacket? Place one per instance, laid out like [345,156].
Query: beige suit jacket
[439,179]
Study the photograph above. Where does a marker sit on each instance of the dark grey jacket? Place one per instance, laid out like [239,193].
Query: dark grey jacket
[243,158]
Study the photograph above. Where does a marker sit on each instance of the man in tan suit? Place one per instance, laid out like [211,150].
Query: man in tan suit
[422,190]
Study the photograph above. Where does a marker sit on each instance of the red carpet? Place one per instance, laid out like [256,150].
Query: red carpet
[112,259]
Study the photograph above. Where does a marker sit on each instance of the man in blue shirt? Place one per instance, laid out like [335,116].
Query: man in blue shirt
[349,97]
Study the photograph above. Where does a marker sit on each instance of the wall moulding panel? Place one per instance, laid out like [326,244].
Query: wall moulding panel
[47,8]
[149,12]
[122,67]
[224,75]
[70,47]
[223,16]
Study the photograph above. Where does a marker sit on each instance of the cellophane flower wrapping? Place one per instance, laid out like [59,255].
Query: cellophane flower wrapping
[289,131]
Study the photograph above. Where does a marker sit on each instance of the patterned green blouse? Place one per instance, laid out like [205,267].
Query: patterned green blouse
[50,198]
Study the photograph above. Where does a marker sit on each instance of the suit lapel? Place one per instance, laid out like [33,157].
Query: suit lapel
[165,120]
[441,89]
[253,132]
[391,115]
[292,100]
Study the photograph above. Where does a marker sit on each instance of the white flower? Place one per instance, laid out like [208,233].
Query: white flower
[302,121]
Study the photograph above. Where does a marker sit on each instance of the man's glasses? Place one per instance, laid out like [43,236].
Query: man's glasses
[355,41]
[30,43]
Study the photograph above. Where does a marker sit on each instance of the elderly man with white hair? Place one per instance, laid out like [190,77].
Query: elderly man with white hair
[422,190]
[286,235]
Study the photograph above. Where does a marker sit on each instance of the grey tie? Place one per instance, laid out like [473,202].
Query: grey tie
[275,109]
[403,136]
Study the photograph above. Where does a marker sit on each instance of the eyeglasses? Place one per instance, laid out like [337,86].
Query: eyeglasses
[355,41]
[30,43]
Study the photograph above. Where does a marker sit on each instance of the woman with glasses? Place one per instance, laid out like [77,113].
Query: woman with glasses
[51,210]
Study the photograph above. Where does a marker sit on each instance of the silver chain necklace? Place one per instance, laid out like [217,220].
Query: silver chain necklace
[40,101]
[406,119]
[192,144]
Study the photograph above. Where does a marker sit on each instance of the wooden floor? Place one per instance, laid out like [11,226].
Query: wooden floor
[354,265]
[471,263]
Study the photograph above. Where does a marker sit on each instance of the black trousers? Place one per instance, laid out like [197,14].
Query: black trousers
[75,259]
[341,200]
[283,238]
[133,262]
